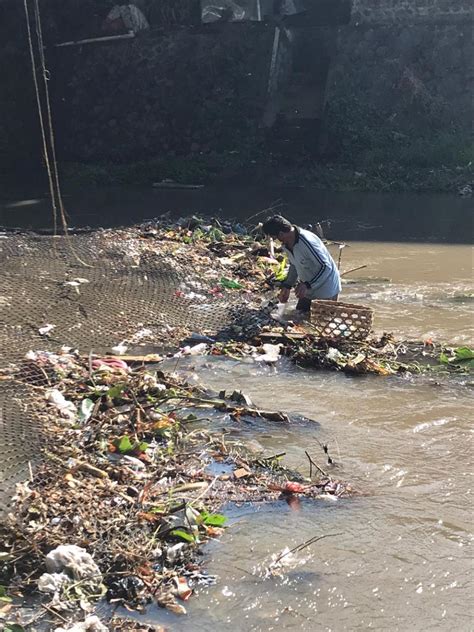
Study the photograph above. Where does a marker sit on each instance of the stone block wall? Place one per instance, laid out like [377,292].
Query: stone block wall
[176,94]
[404,69]
[396,11]
[407,71]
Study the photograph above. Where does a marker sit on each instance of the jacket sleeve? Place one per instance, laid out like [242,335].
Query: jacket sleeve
[291,277]
[317,257]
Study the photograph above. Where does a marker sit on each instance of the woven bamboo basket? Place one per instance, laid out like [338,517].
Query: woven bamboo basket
[337,320]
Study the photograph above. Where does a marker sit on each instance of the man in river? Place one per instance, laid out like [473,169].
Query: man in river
[313,272]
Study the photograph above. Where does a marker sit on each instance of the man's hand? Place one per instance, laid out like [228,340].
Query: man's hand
[284,295]
[301,290]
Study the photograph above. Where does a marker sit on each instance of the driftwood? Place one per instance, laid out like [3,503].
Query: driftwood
[92,40]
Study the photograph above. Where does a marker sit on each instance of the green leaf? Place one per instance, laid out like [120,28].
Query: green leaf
[13,627]
[3,595]
[213,520]
[230,284]
[87,406]
[463,353]
[443,358]
[123,444]
[141,447]
[183,535]
[216,234]
[116,391]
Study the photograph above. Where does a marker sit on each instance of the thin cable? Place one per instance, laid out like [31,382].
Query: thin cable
[45,74]
[40,114]
[54,176]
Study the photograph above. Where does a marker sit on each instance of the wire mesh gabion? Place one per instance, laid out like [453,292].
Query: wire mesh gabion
[21,436]
[92,292]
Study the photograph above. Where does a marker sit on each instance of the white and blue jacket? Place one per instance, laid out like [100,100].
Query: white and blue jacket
[312,264]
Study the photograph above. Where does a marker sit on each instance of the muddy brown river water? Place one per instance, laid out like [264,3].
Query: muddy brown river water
[403,559]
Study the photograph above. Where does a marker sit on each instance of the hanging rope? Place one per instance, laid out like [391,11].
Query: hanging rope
[41,120]
[46,125]
[52,142]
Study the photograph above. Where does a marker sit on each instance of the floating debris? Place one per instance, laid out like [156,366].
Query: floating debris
[124,498]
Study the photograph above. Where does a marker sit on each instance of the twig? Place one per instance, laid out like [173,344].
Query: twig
[54,613]
[139,407]
[272,207]
[90,370]
[324,448]
[204,492]
[341,248]
[353,270]
[304,545]
[177,362]
[91,40]
[315,465]
[48,381]
[338,451]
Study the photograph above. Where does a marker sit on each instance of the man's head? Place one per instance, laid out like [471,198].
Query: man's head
[279,228]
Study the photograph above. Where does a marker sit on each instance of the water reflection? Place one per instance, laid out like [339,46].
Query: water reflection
[400,563]
[352,215]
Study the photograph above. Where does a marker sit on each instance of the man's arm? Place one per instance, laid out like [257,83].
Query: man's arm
[291,277]
[316,250]
[287,284]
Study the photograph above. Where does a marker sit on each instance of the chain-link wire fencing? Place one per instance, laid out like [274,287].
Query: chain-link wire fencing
[93,292]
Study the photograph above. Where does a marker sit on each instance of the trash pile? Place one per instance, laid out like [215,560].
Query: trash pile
[128,491]
[241,264]
[202,285]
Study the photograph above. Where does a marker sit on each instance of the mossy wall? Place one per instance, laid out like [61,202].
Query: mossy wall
[401,85]
[177,94]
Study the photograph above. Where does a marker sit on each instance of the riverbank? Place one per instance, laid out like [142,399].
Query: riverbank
[229,169]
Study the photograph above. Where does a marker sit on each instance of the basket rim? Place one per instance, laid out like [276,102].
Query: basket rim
[340,304]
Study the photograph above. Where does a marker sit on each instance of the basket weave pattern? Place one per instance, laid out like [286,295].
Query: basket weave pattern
[336,320]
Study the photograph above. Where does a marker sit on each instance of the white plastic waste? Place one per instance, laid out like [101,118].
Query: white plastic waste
[173,552]
[120,349]
[199,349]
[280,313]
[126,459]
[270,355]
[52,582]
[281,309]
[73,559]
[44,331]
[91,624]
[67,409]
[333,354]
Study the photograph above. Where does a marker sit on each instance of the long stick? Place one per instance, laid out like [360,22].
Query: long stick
[353,270]
[302,546]
[90,40]
[315,464]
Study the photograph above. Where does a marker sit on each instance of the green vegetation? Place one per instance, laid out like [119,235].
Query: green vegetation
[364,151]
[143,172]
[369,150]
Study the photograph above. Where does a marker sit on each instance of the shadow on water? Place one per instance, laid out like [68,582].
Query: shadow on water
[352,215]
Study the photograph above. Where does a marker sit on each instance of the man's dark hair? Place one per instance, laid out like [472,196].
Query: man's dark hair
[276,224]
